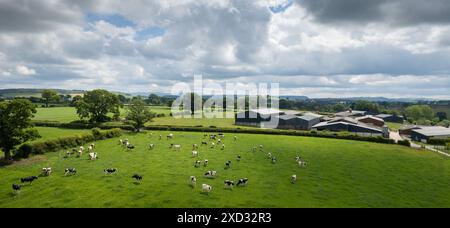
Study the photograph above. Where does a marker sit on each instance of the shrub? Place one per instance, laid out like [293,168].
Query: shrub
[438,141]
[28,149]
[404,143]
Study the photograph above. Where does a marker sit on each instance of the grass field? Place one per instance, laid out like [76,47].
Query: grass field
[394,126]
[52,133]
[340,173]
[68,114]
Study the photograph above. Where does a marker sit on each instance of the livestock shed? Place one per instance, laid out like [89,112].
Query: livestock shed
[371,120]
[353,126]
[391,118]
[303,122]
[425,133]
[407,129]
[351,113]
[256,117]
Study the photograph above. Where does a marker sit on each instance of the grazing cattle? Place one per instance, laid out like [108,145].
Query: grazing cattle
[261,147]
[242,182]
[151,146]
[91,147]
[204,143]
[213,145]
[302,164]
[297,158]
[69,153]
[254,149]
[71,171]
[205,163]
[210,174]
[130,147]
[81,149]
[221,135]
[29,179]
[92,156]
[238,158]
[269,155]
[197,164]
[228,165]
[16,188]
[193,180]
[222,147]
[170,136]
[293,178]
[235,138]
[213,137]
[274,160]
[175,146]
[110,171]
[205,135]
[46,171]
[227,184]
[219,140]
[194,153]
[206,188]
[80,153]
[194,147]
[137,177]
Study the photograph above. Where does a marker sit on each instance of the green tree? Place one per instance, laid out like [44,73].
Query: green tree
[122,99]
[96,104]
[415,113]
[15,124]
[366,106]
[154,99]
[138,113]
[49,95]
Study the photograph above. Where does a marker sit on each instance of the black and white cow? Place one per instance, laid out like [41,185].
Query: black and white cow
[46,171]
[71,171]
[193,181]
[227,184]
[110,171]
[242,182]
[204,143]
[210,174]
[205,163]
[293,178]
[228,165]
[29,179]
[238,158]
[206,188]
[197,164]
[151,146]
[137,177]
[16,188]
[274,160]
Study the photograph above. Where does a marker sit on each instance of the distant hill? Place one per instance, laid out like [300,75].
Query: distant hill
[11,93]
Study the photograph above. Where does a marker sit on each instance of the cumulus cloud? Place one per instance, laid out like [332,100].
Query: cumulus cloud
[318,48]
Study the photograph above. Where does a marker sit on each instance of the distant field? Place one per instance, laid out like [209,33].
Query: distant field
[68,114]
[52,133]
[394,126]
[340,173]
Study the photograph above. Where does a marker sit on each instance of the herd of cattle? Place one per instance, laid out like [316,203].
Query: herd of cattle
[214,140]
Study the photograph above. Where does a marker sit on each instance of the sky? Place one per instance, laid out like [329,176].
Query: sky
[315,48]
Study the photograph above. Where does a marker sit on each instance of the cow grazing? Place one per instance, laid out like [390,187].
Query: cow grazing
[297,158]
[206,188]
[151,146]
[170,136]
[222,147]
[205,135]
[29,179]
[242,182]
[274,160]
[130,147]
[194,147]
[92,156]
[213,145]
[238,158]
[194,153]
[212,137]
[205,163]
[254,149]
[228,165]
[235,138]
[269,155]
[302,164]
[193,181]
[16,188]
[80,153]
[261,147]
[197,164]
[71,171]
[210,174]
[137,177]
[91,148]
[46,171]
[293,178]
[219,141]
[110,171]
[204,143]
[175,146]
[227,184]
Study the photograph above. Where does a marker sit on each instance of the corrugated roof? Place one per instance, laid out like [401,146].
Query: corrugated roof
[433,131]
[322,124]
[369,117]
[348,113]
[288,117]
[267,111]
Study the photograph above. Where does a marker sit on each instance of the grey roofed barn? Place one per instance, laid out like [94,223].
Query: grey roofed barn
[425,133]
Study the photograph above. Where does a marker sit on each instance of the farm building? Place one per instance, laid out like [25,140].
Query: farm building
[391,118]
[425,133]
[407,129]
[303,122]
[351,113]
[256,117]
[352,125]
[371,120]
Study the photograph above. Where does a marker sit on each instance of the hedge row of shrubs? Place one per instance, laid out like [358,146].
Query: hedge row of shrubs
[82,125]
[51,145]
[435,141]
[336,135]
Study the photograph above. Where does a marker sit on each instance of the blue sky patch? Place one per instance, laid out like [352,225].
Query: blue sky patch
[114,19]
[282,7]
[149,32]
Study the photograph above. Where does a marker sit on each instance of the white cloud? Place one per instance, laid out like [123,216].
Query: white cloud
[23,70]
